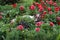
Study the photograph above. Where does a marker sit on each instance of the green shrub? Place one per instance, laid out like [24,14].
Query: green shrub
[3,2]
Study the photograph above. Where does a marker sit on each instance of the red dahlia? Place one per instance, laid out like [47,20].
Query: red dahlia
[39,23]
[58,18]
[51,24]
[20,27]
[0,17]
[37,29]
[21,8]
[49,9]
[14,5]
[50,12]
[44,13]
[50,2]
[55,4]
[32,7]
[56,9]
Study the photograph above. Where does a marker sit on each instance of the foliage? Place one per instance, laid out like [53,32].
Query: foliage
[12,17]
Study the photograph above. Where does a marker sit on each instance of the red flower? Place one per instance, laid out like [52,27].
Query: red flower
[0,17]
[39,23]
[20,27]
[50,2]
[37,29]
[51,24]
[14,5]
[41,9]
[32,7]
[58,18]
[55,4]
[56,9]
[21,8]
[40,6]
[44,13]
[50,12]
[49,9]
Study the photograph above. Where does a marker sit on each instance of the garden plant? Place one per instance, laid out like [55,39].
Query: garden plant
[29,19]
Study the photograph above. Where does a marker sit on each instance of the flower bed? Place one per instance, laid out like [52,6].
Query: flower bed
[30,20]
